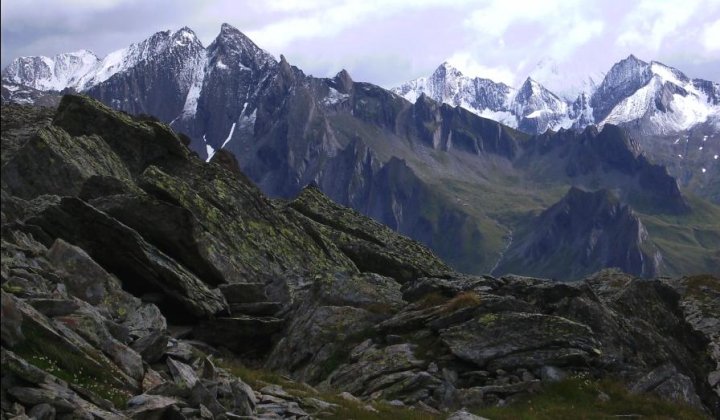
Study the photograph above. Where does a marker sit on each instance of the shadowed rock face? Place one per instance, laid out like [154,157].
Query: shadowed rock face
[590,229]
[146,260]
[611,154]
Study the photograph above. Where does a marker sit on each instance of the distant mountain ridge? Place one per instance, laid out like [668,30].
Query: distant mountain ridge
[456,182]
[656,97]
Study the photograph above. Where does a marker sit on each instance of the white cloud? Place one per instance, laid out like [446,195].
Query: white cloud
[653,21]
[495,17]
[568,38]
[524,32]
[711,36]
[326,18]
[465,62]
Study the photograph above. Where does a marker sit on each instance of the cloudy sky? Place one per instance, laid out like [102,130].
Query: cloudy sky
[388,42]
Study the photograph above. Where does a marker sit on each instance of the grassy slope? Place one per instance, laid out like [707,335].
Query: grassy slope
[689,243]
[580,399]
[574,398]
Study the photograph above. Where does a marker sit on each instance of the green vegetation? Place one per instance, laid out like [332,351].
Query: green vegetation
[690,243]
[345,409]
[463,300]
[575,398]
[579,398]
[46,354]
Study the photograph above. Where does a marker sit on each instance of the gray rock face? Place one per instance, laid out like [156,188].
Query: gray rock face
[623,79]
[492,338]
[667,382]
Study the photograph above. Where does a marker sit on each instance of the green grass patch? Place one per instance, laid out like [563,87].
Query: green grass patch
[574,398]
[578,399]
[44,354]
[258,378]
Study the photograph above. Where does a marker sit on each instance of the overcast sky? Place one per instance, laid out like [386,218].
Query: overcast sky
[387,42]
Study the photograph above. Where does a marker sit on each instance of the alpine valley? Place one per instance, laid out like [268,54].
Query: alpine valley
[493,178]
[185,235]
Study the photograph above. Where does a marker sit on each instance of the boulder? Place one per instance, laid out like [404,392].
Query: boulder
[87,280]
[152,346]
[121,249]
[464,415]
[665,381]
[240,333]
[243,292]
[497,337]
[183,374]
[148,407]
[53,161]
[42,411]
[11,321]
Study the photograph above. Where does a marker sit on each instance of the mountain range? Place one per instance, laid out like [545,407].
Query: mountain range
[140,281]
[652,96]
[464,165]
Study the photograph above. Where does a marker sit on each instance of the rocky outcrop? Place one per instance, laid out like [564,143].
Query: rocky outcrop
[140,289]
[370,245]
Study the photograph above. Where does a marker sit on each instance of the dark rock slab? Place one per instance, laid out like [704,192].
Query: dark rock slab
[493,336]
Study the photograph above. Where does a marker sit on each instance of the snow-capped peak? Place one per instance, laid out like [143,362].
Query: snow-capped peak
[45,73]
[633,90]
[184,37]
[233,48]
[448,84]
[82,69]
[668,102]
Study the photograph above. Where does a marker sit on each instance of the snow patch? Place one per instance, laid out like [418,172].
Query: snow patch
[685,112]
[232,130]
[191,100]
[633,107]
[209,149]
[666,74]
[334,97]
[503,117]
[536,114]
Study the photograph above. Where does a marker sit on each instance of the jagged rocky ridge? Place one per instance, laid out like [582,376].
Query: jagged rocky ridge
[130,268]
[569,231]
[427,170]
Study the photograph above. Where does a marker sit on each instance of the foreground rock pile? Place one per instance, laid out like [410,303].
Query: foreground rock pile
[134,276]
